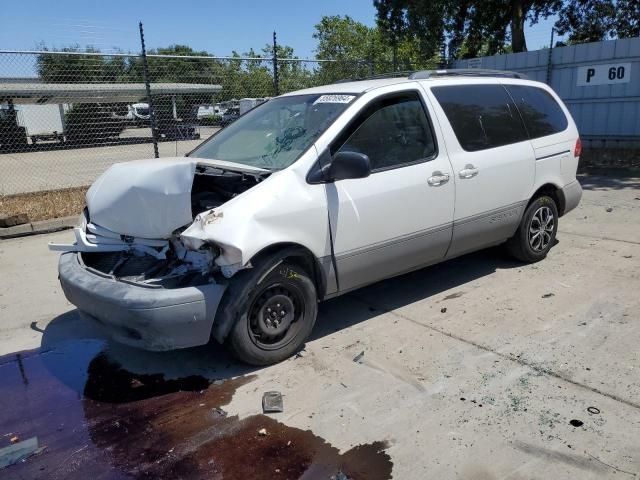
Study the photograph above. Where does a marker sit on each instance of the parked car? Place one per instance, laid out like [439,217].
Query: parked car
[316,193]
[92,124]
[230,115]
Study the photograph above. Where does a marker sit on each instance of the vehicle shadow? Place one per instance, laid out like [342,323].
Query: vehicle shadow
[82,349]
[606,182]
[75,349]
[427,283]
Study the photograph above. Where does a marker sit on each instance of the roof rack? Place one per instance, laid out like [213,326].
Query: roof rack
[452,72]
[398,74]
[465,72]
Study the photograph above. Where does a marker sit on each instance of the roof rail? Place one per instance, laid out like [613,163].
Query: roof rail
[465,72]
[398,74]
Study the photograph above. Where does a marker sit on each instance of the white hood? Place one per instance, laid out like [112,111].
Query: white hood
[145,198]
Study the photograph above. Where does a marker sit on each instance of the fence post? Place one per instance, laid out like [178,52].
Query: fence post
[550,59]
[276,80]
[152,112]
[443,54]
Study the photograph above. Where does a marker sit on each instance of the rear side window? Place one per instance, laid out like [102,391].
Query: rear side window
[482,116]
[541,113]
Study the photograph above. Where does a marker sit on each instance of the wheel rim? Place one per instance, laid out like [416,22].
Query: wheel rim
[275,316]
[541,229]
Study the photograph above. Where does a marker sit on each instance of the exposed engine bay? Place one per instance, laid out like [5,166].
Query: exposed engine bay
[213,186]
[122,250]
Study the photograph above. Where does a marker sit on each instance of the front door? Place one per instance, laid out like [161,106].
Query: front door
[400,217]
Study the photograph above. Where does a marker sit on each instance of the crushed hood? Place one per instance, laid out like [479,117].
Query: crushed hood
[145,198]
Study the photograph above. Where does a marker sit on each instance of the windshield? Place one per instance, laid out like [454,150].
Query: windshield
[274,134]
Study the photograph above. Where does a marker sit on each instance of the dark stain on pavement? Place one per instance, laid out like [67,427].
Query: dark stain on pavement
[121,424]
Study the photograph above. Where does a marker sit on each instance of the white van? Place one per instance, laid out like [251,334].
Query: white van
[316,193]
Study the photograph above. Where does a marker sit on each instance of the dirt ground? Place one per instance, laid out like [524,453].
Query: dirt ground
[45,205]
[479,368]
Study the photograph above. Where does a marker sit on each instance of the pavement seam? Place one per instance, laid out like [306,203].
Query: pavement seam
[519,361]
[599,238]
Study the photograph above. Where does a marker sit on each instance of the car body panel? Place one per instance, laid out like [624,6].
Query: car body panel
[149,318]
[393,220]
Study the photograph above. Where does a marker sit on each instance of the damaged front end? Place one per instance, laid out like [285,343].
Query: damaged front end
[130,268]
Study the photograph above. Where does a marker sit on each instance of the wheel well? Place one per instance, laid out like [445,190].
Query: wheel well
[300,256]
[554,192]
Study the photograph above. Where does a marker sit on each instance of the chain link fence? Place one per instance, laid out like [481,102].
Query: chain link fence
[67,116]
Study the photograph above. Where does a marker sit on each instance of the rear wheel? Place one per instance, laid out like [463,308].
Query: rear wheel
[537,231]
[274,316]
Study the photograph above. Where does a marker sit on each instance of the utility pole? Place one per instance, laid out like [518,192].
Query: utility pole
[147,84]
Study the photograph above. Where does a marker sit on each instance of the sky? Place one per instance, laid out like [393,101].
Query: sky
[217,26]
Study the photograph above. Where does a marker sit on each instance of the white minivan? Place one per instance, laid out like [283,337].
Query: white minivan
[316,193]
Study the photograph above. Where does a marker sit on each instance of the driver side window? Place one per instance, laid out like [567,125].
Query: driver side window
[392,131]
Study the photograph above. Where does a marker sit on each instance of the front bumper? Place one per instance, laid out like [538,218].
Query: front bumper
[572,194]
[145,317]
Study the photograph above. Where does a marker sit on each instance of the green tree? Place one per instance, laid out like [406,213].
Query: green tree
[478,25]
[587,20]
[627,23]
[356,50]
[80,65]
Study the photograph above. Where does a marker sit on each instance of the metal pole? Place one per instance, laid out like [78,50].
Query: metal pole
[152,112]
[276,80]
[550,59]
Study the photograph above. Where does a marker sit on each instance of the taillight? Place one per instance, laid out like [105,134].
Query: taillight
[578,151]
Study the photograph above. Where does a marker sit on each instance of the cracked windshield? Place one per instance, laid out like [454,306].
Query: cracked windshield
[273,135]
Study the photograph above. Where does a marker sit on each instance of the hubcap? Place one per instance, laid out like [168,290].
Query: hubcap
[541,229]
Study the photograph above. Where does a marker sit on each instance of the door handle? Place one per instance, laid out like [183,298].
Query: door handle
[469,171]
[438,178]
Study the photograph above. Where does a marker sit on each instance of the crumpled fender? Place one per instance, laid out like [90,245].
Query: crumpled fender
[281,209]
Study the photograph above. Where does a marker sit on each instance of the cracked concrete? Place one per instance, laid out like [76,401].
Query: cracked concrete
[484,390]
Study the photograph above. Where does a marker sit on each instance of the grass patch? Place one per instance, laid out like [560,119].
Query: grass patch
[45,205]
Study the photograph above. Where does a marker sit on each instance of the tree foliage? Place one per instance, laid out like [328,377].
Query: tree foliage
[595,20]
[474,28]
[357,50]
[481,26]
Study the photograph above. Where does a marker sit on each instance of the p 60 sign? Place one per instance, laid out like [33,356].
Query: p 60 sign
[610,73]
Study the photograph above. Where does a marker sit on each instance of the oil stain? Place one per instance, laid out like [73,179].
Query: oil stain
[129,425]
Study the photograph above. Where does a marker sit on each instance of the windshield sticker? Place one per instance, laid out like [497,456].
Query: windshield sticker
[334,99]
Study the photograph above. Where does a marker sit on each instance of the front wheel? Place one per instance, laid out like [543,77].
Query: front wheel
[537,231]
[274,317]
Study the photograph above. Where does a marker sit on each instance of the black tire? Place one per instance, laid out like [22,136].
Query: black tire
[525,245]
[256,338]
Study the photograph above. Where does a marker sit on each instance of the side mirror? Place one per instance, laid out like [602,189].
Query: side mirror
[346,165]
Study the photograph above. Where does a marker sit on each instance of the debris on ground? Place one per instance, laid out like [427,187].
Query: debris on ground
[19,451]
[627,256]
[13,439]
[593,410]
[262,432]
[443,310]
[576,423]
[358,357]
[609,209]
[272,402]
[548,295]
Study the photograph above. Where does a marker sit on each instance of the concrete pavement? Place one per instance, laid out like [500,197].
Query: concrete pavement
[77,167]
[478,368]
